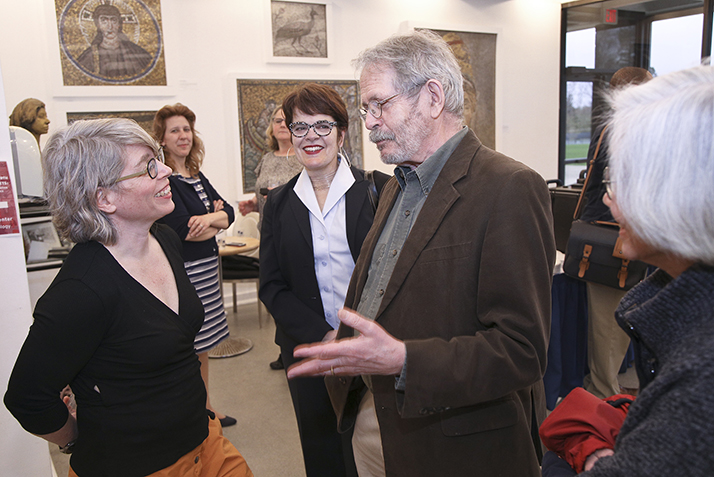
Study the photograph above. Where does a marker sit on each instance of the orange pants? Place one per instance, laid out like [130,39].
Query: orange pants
[215,457]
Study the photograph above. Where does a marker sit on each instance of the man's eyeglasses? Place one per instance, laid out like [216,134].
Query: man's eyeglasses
[374,107]
[607,183]
[151,168]
[322,128]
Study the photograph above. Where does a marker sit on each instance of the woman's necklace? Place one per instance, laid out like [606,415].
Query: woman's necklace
[323,183]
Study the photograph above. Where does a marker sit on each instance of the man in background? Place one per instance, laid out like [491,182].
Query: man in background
[607,343]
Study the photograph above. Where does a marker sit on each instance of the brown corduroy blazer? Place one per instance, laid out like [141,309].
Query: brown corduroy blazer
[470,296]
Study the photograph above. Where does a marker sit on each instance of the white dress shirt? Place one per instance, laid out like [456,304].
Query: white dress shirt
[333,259]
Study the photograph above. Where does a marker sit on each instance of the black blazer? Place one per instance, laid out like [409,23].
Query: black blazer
[288,285]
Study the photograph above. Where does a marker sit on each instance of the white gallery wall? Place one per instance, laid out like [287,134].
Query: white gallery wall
[210,43]
[21,454]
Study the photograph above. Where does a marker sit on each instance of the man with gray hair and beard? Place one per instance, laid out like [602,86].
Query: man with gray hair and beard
[440,368]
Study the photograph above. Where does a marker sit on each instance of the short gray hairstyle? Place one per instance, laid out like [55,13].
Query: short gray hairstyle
[661,146]
[416,57]
[78,160]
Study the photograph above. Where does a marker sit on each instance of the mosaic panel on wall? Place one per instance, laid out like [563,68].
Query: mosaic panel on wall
[111,42]
[299,29]
[144,118]
[476,54]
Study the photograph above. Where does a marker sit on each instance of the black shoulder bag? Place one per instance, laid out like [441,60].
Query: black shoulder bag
[372,190]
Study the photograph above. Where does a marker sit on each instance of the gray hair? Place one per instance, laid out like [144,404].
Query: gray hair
[78,160]
[416,57]
[661,146]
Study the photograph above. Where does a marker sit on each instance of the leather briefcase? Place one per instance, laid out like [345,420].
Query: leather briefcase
[594,254]
[563,201]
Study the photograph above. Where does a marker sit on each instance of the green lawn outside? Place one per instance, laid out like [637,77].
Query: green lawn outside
[576,151]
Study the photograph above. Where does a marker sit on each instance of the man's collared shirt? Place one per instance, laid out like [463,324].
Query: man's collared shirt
[415,184]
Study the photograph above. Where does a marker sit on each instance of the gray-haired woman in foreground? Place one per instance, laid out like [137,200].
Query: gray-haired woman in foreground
[119,320]
[660,190]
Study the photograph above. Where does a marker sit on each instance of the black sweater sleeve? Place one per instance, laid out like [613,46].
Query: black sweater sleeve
[67,329]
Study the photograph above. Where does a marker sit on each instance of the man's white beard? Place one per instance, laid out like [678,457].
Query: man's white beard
[411,133]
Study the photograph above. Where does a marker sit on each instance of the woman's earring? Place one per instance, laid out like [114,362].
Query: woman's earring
[343,153]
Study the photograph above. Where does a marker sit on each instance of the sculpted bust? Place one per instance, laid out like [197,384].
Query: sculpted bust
[30,114]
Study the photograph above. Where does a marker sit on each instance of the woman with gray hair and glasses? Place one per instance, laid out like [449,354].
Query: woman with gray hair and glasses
[119,321]
[659,189]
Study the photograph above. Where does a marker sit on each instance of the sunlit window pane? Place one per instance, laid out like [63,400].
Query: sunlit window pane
[676,43]
[580,48]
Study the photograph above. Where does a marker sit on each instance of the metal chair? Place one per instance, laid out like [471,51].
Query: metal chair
[244,268]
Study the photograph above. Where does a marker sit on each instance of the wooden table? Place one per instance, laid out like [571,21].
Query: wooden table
[233,246]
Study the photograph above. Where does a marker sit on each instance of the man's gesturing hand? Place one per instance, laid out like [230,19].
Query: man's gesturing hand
[374,351]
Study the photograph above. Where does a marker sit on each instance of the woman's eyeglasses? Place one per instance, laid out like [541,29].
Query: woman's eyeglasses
[322,128]
[151,168]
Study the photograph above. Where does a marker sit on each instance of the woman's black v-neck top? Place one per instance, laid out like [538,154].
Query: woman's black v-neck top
[141,402]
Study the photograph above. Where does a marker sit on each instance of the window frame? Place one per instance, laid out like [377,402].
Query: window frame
[599,77]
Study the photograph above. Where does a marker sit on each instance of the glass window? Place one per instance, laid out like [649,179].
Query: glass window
[579,53]
[578,127]
[602,36]
[580,48]
[668,55]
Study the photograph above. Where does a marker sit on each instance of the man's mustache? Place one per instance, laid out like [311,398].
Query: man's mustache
[376,135]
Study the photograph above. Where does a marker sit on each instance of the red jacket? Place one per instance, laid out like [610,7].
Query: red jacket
[582,424]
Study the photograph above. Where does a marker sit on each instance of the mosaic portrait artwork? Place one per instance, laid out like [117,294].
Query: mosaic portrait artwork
[145,119]
[257,99]
[111,42]
[299,29]
[476,54]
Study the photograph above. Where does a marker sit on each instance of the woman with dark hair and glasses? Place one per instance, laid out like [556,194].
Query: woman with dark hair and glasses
[119,320]
[200,213]
[313,229]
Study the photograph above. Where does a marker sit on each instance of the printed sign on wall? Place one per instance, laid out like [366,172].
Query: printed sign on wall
[9,223]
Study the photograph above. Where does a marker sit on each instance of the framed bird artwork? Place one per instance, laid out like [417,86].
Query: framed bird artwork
[300,31]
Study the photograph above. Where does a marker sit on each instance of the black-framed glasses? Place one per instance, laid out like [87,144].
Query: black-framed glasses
[374,107]
[151,168]
[607,183]
[322,128]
